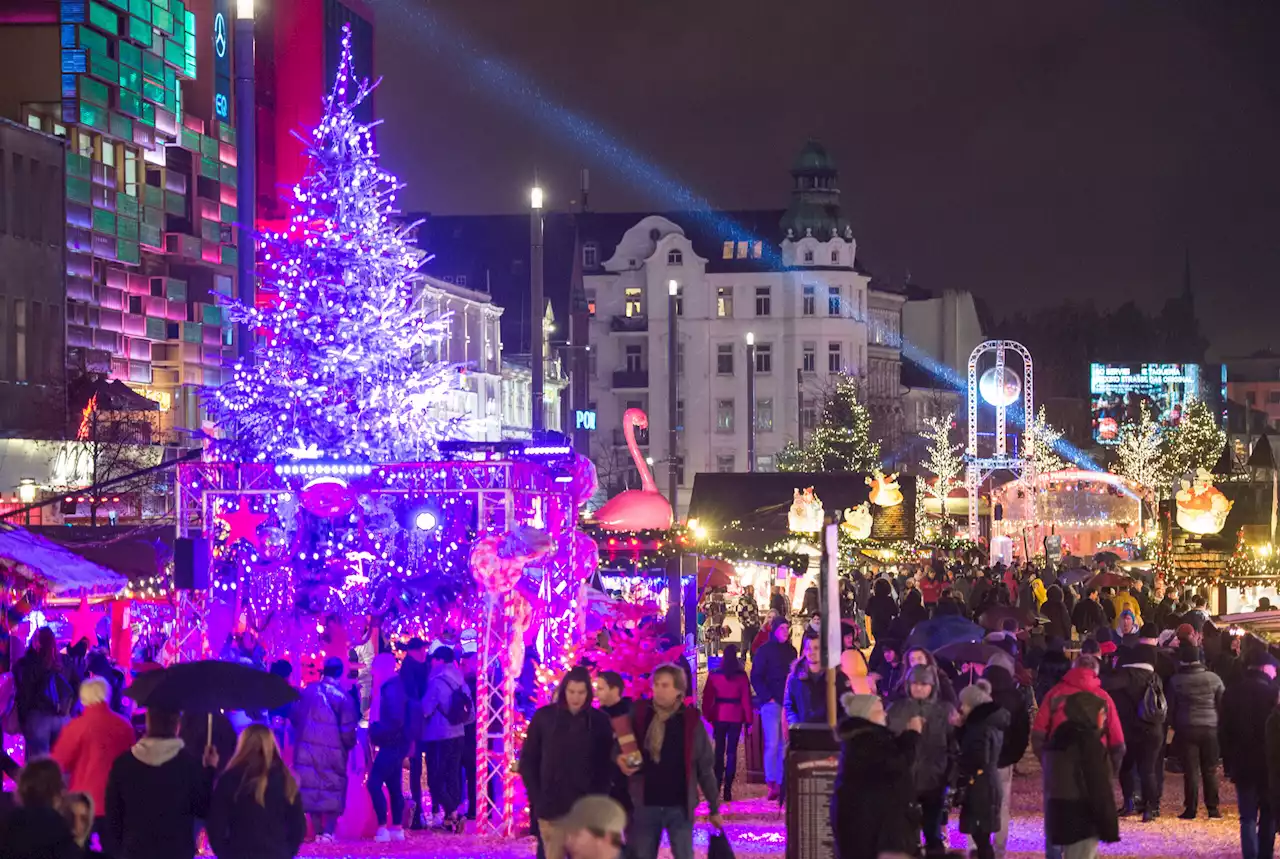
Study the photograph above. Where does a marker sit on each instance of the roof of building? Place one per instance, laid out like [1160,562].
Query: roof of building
[813,158]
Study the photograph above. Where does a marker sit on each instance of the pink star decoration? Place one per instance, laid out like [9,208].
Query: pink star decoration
[242,524]
[84,623]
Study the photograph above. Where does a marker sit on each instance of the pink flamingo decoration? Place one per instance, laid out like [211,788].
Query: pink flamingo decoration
[636,509]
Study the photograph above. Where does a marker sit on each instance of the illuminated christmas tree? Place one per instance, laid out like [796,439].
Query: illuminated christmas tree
[1196,442]
[944,459]
[343,368]
[842,440]
[1140,454]
[1043,441]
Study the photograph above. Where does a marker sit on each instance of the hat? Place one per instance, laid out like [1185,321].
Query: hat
[975,694]
[1185,631]
[413,644]
[923,674]
[1055,644]
[1149,633]
[1130,613]
[1188,653]
[859,706]
[1103,634]
[1107,648]
[1089,645]
[599,813]
[469,647]
[1145,653]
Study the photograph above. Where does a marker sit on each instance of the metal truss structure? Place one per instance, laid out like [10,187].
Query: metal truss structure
[979,467]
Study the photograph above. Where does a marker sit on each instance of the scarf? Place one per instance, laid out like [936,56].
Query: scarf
[657,732]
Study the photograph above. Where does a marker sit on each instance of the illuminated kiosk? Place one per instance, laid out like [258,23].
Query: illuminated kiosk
[1092,511]
[998,387]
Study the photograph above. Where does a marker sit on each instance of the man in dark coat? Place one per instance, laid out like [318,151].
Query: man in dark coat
[873,807]
[979,739]
[805,701]
[1006,693]
[1242,732]
[155,794]
[1089,614]
[882,608]
[1078,804]
[932,769]
[565,756]
[610,692]
[415,669]
[324,725]
[1132,687]
[1195,696]
[769,671]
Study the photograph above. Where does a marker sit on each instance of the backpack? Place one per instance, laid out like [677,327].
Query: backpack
[1153,708]
[461,709]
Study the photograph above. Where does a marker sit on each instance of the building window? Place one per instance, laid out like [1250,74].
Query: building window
[679,359]
[591,302]
[833,301]
[461,280]
[675,257]
[764,304]
[20,340]
[680,419]
[724,416]
[764,415]
[724,359]
[591,363]
[742,250]
[590,255]
[679,301]
[808,255]
[1273,397]
[724,463]
[1251,398]
[810,300]
[834,361]
[809,358]
[631,297]
[757,250]
[680,469]
[724,302]
[728,250]
[635,357]
[765,464]
[835,256]
[764,358]
[809,416]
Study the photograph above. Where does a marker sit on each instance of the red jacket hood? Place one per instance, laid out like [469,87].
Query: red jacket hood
[1084,680]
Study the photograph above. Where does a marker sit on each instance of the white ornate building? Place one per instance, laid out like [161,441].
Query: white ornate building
[791,279]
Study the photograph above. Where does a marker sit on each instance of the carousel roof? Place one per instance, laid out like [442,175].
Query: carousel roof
[59,569]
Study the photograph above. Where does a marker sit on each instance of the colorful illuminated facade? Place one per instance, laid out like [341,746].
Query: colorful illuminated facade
[140,90]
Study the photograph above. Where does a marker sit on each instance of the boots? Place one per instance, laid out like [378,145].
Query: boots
[775,792]
[1126,810]
[728,785]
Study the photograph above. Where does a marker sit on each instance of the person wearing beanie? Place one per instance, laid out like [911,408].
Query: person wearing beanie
[1088,614]
[1246,705]
[1195,696]
[1149,634]
[1138,694]
[980,738]
[769,672]
[1055,611]
[872,806]
[1054,666]
[1124,601]
[1127,624]
[1006,692]
[932,764]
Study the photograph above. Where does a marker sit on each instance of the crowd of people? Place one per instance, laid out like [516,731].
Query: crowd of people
[147,782]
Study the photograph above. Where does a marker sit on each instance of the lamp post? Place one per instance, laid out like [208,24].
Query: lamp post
[536,227]
[246,181]
[673,357]
[751,401]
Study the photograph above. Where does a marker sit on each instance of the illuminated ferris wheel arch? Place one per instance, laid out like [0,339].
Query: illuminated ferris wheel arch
[998,389]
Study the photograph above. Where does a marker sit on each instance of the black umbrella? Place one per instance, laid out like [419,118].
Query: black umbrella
[1107,558]
[209,686]
[932,634]
[993,618]
[1074,577]
[971,652]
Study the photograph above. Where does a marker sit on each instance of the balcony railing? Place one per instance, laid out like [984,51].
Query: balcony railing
[630,379]
[629,324]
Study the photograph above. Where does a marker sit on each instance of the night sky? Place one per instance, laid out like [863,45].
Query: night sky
[1027,152]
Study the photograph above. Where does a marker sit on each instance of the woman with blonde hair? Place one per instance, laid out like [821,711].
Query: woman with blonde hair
[256,811]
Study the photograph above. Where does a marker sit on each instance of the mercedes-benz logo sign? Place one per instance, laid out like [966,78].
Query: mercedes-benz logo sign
[220,35]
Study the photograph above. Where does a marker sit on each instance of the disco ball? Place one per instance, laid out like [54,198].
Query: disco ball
[1000,392]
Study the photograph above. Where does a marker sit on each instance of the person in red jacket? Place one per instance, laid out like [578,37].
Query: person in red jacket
[1083,677]
[726,704]
[91,742]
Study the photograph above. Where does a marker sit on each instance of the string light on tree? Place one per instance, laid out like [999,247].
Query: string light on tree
[344,365]
[943,459]
[842,440]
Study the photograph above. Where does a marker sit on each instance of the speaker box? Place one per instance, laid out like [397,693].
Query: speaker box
[191,563]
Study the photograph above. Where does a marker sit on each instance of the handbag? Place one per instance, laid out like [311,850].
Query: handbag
[718,847]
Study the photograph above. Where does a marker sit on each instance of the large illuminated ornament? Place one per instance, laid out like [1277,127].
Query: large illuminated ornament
[641,509]
[1202,508]
[805,515]
[1000,389]
[884,490]
[857,522]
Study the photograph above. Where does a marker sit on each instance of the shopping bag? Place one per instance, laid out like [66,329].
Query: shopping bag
[718,847]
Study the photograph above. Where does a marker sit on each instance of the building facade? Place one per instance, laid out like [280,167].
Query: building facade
[791,280]
[1254,381]
[33,293]
[149,195]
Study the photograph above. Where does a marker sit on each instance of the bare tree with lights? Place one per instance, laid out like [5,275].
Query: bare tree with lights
[944,460]
[344,365]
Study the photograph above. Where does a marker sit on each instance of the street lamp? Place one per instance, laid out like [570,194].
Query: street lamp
[673,358]
[244,9]
[751,401]
[536,235]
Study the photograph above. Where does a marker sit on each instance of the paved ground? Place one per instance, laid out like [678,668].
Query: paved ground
[756,830]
